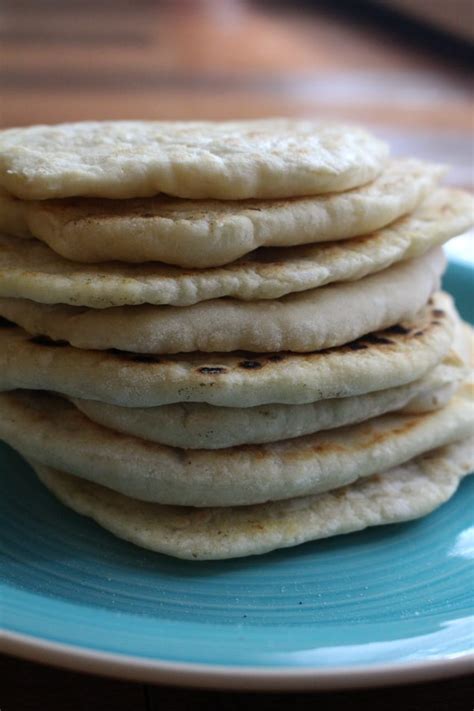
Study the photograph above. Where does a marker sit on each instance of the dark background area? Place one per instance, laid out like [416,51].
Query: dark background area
[32,687]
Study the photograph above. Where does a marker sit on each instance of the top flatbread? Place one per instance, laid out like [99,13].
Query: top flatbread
[230,160]
[210,233]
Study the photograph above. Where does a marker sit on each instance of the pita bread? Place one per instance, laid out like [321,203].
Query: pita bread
[406,492]
[30,270]
[53,432]
[228,160]
[309,321]
[200,426]
[379,361]
[209,233]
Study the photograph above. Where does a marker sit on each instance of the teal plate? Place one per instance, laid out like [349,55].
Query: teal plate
[387,605]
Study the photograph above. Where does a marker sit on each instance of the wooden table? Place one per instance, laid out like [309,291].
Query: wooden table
[82,59]
[86,59]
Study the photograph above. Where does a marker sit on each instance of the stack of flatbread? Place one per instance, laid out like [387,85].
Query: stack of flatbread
[219,339]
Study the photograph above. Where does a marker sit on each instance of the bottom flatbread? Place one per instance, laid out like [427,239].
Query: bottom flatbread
[53,432]
[409,491]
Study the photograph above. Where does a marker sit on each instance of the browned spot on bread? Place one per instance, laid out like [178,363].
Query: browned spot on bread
[373,338]
[258,453]
[374,437]
[339,493]
[356,346]
[47,341]
[398,329]
[325,447]
[133,357]
[438,313]
[143,358]
[212,370]
[250,364]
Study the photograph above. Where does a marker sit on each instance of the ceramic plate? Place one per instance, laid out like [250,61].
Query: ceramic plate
[386,605]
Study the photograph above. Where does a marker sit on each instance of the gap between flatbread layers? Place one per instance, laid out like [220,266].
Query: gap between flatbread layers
[209,233]
[31,270]
[401,354]
[403,493]
[53,432]
[308,321]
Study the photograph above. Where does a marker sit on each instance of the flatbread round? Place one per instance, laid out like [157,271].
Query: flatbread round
[30,270]
[209,233]
[201,426]
[53,432]
[308,321]
[406,492]
[233,160]
[381,360]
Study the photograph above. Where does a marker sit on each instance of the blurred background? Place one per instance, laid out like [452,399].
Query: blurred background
[401,66]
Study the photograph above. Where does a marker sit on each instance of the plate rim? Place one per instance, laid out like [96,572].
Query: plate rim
[211,676]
